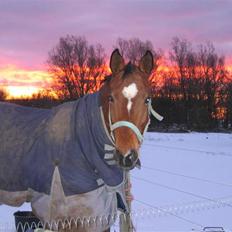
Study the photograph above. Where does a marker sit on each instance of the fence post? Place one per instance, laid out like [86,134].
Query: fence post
[125,219]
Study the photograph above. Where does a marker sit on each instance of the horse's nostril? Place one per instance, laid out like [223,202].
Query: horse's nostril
[131,158]
[128,160]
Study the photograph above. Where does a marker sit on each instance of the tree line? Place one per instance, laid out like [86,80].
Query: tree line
[190,85]
[196,91]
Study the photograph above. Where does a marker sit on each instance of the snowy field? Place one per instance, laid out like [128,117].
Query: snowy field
[185,184]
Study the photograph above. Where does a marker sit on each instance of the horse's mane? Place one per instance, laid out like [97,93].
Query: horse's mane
[128,69]
[107,79]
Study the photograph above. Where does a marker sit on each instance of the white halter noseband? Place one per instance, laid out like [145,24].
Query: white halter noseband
[132,126]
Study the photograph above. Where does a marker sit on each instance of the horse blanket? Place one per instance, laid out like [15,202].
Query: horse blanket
[59,158]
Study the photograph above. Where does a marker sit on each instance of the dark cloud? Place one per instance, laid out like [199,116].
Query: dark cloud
[29,29]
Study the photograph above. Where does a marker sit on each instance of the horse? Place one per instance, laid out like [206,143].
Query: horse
[70,161]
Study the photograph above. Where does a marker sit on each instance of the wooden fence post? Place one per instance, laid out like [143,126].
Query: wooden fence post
[125,219]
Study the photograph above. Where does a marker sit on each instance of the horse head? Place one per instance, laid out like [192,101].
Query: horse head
[126,97]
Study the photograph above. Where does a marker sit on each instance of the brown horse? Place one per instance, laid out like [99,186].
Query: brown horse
[125,97]
[48,151]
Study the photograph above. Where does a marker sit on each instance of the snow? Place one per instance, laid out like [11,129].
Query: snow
[185,184]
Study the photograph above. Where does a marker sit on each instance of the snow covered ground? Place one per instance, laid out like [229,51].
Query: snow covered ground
[185,184]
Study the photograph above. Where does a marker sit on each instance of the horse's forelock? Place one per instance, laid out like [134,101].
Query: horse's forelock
[129,69]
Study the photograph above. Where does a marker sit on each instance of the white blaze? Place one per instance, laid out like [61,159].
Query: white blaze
[130,92]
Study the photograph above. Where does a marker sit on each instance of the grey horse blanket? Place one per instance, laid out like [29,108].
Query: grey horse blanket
[71,139]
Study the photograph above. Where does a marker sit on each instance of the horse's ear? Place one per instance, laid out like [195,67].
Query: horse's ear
[116,61]
[146,63]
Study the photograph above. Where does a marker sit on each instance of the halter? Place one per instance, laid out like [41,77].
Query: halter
[132,126]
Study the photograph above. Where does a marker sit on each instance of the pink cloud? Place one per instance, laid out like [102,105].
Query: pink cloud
[29,29]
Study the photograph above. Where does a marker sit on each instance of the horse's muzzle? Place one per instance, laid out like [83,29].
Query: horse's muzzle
[128,162]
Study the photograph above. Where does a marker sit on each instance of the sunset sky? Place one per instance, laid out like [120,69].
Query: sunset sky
[30,28]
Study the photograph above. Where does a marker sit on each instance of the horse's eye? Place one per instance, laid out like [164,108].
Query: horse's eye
[147,100]
[110,98]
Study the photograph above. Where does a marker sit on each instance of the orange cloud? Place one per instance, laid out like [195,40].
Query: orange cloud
[21,91]
[22,82]
[229,68]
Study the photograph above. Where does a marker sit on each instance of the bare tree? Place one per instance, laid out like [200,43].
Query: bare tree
[201,74]
[213,74]
[185,63]
[76,66]
[228,104]
[133,49]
